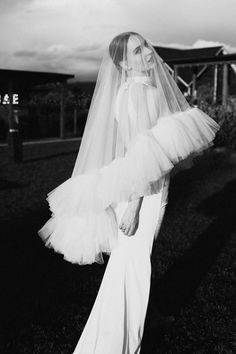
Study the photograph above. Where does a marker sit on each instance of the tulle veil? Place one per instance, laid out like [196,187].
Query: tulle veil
[102,141]
[138,128]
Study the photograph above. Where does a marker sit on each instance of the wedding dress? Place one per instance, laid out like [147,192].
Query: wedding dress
[116,322]
[138,128]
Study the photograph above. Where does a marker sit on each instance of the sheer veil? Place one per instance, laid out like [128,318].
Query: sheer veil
[121,68]
[138,128]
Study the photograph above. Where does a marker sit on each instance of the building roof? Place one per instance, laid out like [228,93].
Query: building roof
[174,53]
[22,79]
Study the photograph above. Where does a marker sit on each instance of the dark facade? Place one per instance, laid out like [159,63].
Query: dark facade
[205,73]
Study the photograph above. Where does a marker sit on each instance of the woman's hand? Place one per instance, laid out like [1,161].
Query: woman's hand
[130,220]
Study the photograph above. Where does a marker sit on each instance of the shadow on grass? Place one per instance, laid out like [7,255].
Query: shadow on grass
[40,289]
[43,291]
[178,285]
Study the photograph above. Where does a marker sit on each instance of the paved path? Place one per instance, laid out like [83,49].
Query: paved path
[45,141]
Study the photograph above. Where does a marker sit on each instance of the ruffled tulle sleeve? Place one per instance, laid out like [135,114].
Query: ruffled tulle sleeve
[83,222]
[154,153]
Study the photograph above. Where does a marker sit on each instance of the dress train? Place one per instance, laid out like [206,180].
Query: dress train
[116,322]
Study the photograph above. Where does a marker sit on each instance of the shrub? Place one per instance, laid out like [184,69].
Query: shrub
[225,116]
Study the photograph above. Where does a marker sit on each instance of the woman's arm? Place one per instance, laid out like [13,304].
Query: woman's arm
[130,220]
[136,204]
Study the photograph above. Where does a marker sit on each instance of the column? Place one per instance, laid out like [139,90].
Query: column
[215,83]
[62,110]
[225,85]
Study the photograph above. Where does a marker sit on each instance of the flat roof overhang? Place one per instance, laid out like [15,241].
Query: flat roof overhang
[218,59]
[20,79]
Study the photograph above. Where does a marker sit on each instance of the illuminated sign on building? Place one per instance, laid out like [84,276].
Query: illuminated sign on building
[5,98]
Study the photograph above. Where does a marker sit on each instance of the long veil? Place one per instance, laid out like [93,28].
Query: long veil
[101,141]
[138,128]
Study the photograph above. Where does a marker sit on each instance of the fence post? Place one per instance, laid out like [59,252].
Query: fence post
[62,110]
[75,119]
[215,83]
[194,86]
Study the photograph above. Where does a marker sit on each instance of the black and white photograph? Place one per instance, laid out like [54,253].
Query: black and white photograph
[118,176]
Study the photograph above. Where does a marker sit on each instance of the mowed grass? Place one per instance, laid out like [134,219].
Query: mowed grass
[46,300]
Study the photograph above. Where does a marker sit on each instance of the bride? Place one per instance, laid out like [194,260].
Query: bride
[138,128]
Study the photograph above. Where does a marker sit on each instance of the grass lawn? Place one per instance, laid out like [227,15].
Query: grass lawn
[46,300]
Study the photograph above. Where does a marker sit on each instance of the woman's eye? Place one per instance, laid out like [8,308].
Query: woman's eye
[138,50]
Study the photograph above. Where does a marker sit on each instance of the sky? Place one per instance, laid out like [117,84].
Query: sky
[69,36]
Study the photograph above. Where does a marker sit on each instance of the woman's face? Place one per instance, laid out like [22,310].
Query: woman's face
[139,55]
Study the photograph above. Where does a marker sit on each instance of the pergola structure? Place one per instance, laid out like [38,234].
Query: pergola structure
[193,63]
[12,81]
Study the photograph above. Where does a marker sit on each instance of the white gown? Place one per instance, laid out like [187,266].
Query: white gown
[116,322]
[87,210]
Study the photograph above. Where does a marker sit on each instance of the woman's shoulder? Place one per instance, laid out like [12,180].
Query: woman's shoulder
[143,86]
[138,83]
[136,92]
[140,90]
[136,87]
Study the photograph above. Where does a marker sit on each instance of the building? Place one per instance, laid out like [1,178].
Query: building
[208,75]
[13,82]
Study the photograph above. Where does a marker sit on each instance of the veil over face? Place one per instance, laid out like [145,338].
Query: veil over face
[133,89]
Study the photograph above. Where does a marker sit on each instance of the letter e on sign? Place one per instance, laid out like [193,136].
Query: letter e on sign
[15,98]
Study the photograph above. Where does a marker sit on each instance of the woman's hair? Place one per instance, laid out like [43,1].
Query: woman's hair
[118,46]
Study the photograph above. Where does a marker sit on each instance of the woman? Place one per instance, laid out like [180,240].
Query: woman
[139,126]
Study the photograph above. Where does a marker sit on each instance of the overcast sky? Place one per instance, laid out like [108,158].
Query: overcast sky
[69,35]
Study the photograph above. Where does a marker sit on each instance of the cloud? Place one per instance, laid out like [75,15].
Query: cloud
[69,35]
[82,61]
[9,5]
[201,43]
[25,54]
